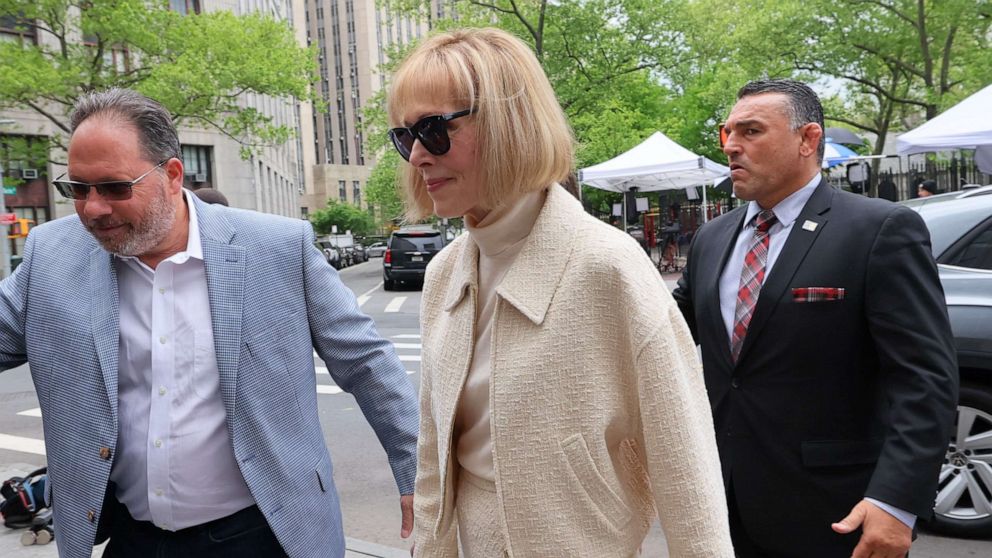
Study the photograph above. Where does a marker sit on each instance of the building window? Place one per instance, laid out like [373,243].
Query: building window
[356,193]
[185,7]
[16,30]
[305,213]
[197,162]
[342,190]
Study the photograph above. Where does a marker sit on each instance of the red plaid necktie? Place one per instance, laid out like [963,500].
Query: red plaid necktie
[752,276]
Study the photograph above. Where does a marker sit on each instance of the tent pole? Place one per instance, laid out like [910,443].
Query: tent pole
[704,202]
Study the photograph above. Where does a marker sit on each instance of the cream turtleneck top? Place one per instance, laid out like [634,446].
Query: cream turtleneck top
[499,235]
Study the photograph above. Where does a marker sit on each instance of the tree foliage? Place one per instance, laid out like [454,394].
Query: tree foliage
[197,65]
[345,216]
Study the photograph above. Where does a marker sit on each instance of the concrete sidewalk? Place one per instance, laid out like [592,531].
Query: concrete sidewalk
[11,547]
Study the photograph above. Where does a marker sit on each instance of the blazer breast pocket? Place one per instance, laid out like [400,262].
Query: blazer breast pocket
[818,294]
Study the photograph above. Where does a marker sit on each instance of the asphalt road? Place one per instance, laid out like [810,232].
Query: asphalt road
[369,499]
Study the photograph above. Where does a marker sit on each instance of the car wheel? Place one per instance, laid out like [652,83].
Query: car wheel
[964,493]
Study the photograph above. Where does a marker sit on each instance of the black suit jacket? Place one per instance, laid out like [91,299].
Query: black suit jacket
[835,400]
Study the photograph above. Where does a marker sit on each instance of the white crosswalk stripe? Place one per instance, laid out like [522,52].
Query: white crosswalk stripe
[407,336]
[22,444]
[395,304]
[36,412]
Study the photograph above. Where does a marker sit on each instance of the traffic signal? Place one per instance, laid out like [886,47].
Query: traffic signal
[19,228]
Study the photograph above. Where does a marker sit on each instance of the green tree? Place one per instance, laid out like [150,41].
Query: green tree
[197,65]
[345,216]
[382,192]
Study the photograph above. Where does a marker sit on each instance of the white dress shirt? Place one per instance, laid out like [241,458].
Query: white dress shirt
[786,212]
[175,464]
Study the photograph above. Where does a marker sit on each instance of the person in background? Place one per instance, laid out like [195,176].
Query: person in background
[211,195]
[927,188]
[827,350]
[172,346]
[561,396]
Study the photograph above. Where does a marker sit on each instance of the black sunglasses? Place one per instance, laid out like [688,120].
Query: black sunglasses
[432,131]
[110,191]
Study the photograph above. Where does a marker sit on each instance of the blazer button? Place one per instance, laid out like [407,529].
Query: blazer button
[735,383]
[91,515]
[105,453]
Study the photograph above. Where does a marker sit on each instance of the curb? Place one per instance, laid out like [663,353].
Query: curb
[359,548]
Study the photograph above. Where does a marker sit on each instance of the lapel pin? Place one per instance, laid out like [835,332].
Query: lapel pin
[809,226]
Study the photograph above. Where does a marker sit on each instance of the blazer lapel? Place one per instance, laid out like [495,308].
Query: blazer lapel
[106,320]
[726,238]
[224,265]
[793,253]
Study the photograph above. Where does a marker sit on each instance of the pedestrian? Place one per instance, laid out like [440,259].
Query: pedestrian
[561,395]
[826,347]
[926,188]
[211,195]
[172,345]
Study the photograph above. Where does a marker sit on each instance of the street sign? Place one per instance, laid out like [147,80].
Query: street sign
[10,190]
[8,218]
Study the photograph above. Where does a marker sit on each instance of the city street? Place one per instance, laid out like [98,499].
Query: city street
[369,498]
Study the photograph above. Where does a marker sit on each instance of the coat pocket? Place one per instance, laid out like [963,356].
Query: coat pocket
[593,483]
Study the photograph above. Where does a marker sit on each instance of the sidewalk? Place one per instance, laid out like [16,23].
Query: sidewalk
[11,547]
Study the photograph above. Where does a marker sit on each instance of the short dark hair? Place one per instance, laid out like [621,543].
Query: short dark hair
[210,195]
[804,105]
[157,135]
[929,186]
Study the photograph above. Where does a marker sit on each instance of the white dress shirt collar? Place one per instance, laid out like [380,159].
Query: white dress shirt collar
[787,210]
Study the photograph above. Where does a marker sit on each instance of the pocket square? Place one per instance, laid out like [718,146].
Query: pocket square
[817,294]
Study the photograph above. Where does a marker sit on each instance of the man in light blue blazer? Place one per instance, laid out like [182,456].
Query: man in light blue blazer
[171,346]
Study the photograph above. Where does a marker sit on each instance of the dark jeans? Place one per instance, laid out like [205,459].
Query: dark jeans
[241,534]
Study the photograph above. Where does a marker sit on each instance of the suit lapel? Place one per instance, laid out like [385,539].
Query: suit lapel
[726,238]
[224,264]
[106,320]
[793,253]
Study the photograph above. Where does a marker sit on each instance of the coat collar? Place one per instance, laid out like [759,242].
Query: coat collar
[531,282]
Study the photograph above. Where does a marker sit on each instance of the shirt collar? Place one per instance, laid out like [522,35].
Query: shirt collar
[787,210]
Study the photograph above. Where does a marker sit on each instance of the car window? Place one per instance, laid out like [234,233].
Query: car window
[417,243]
[978,253]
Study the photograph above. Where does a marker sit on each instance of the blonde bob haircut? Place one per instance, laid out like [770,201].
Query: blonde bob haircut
[524,142]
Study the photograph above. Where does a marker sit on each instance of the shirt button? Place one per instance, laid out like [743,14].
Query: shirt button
[161,291]
[163,339]
[158,443]
[105,453]
[161,390]
[158,491]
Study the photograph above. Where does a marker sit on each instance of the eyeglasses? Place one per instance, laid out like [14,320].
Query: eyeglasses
[724,134]
[432,132]
[109,191]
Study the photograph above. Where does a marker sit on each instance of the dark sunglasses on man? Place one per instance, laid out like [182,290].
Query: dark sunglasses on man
[109,191]
[432,131]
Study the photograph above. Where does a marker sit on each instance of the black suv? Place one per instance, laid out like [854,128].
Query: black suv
[407,253]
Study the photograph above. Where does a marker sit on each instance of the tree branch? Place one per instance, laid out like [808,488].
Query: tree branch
[51,117]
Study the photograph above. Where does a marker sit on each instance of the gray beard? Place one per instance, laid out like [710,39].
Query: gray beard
[155,226]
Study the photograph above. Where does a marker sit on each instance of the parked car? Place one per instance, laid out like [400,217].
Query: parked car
[961,235]
[408,251]
[331,253]
[361,254]
[376,250]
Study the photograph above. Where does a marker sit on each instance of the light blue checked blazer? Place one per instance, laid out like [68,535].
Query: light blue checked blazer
[273,300]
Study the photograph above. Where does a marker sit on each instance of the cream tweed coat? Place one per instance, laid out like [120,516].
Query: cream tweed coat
[599,412]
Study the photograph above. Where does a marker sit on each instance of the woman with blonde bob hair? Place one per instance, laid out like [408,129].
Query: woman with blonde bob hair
[562,400]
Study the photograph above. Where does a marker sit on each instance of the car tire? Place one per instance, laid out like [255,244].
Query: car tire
[388,284]
[967,470]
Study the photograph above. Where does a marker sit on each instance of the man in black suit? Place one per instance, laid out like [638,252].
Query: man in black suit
[826,347]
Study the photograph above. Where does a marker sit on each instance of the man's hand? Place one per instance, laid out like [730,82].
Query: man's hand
[883,536]
[406,507]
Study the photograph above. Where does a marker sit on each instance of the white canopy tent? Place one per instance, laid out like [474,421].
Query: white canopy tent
[966,125]
[657,163]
